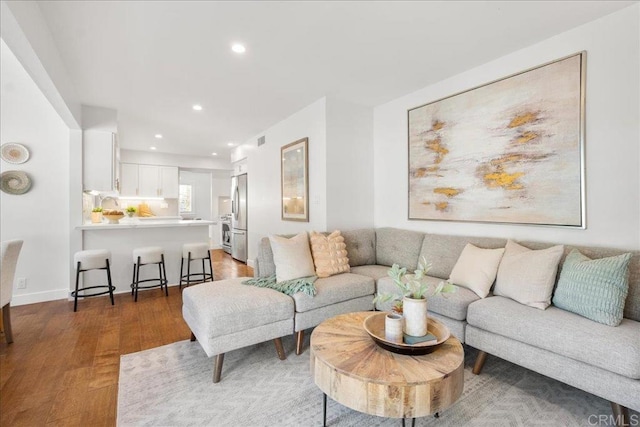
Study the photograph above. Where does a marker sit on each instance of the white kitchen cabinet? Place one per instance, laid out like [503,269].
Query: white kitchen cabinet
[169,182]
[150,181]
[129,179]
[100,157]
[239,168]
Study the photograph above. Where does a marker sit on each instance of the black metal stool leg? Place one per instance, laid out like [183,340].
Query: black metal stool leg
[413,422]
[166,281]
[210,266]
[75,296]
[137,279]
[403,423]
[109,282]
[133,279]
[181,267]
[160,274]
[189,269]
[204,272]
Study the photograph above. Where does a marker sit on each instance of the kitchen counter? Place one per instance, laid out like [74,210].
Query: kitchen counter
[134,223]
[121,239]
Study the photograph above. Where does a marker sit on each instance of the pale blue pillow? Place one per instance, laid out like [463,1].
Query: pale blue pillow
[595,289]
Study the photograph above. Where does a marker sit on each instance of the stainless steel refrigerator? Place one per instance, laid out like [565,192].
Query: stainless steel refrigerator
[239,217]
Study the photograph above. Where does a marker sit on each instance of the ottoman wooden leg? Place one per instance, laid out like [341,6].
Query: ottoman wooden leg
[299,341]
[621,415]
[193,337]
[480,359]
[280,349]
[217,371]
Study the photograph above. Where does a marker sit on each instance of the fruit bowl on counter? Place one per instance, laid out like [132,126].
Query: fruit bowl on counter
[114,216]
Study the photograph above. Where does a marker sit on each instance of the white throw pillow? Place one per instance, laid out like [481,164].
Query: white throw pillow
[476,269]
[292,257]
[528,276]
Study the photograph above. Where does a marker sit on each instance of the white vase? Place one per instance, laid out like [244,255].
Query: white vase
[393,326]
[414,312]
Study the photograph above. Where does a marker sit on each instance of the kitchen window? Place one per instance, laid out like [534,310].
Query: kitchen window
[186,198]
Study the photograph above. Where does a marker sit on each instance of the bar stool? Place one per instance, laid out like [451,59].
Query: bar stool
[194,252]
[96,259]
[147,256]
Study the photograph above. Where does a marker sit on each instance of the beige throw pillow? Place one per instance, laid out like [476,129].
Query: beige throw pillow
[329,254]
[528,276]
[292,257]
[476,269]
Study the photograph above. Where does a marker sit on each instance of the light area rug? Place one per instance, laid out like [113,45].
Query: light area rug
[172,386]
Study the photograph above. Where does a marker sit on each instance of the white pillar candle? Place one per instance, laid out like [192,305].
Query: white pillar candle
[393,325]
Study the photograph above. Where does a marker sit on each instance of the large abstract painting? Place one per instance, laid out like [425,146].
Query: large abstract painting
[511,151]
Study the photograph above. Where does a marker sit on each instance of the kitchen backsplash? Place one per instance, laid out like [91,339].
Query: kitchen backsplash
[167,207]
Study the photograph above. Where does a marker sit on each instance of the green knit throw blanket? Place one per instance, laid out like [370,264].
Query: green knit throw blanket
[288,287]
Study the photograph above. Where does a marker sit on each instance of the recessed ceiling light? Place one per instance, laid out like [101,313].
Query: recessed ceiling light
[214,154]
[152,148]
[238,48]
[230,144]
[197,107]
[159,136]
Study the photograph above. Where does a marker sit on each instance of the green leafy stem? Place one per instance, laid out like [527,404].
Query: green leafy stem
[413,285]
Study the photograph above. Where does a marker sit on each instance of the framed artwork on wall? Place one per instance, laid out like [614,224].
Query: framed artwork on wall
[294,160]
[510,151]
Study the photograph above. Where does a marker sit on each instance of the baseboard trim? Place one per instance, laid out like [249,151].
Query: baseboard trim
[251,263]
[57,294]
[36,297]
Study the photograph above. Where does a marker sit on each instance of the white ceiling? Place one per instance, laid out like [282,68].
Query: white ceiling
[153,60]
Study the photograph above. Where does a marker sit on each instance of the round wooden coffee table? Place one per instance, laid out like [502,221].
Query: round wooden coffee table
[348,366]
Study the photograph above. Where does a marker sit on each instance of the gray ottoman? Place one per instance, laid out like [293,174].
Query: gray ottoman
[226,315]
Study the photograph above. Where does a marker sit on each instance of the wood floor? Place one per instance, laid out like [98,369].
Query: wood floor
[62,368]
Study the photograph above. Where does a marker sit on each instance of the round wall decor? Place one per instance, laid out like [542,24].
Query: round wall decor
[15,153]
[15,182]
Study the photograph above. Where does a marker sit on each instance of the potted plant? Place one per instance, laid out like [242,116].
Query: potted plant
[412,298]
[131,210]
[96,215]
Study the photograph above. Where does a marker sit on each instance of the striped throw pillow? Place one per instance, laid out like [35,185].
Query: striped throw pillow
[595,289]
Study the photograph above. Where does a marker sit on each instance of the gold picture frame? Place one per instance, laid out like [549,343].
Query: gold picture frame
[294,180]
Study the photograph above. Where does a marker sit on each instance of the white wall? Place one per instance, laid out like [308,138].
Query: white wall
[263,175]
[41,216]
[612,136]
[349,165]
[27,34]
[340,174]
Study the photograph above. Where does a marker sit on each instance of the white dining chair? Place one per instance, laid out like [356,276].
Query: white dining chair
[8,261]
